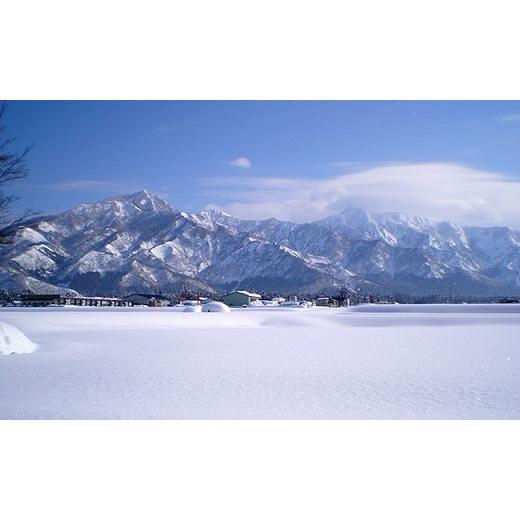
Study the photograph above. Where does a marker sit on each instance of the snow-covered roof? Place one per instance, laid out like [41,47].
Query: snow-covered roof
[247,293]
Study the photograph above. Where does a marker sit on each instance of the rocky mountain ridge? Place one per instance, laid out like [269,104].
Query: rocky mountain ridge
[140,243]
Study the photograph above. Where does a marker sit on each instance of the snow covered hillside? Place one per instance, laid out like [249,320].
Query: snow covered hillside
[139,242]
[393,361]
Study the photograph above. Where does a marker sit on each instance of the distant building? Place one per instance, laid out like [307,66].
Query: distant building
[326,302]
[152,300]
[240,298]
[40,300]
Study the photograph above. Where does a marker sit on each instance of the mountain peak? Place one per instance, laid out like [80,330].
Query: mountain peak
[214,211]
[147,201]
[350,217]
[355,214]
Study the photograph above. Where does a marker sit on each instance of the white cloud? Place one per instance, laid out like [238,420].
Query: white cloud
[351,165]
[441,191]
[241,162]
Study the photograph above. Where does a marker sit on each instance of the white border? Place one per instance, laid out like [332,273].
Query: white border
[260,469]
[231,49]
[269,50]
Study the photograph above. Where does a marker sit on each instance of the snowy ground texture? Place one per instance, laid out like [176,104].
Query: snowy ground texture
[381,362]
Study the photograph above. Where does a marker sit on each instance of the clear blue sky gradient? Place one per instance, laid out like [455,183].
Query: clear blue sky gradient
[171,147]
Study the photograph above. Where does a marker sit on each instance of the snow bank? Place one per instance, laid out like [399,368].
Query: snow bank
[441,308]
[13,341]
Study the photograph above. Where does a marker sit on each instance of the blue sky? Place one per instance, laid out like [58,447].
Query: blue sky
[252,157]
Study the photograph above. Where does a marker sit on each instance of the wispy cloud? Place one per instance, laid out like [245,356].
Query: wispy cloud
[93,185]
[508,118]
[348,164]
[362,165]
[441,191]
[241,162]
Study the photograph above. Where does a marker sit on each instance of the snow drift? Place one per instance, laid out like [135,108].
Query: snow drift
[13,341]
[192,308]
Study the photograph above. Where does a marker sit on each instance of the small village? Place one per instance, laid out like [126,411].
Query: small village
[237,298]
[233,299]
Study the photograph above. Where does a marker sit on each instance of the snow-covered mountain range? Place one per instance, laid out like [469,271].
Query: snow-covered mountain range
[139,242]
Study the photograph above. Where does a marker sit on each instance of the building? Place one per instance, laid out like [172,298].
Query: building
[40,300]
[326,302]
[152,300]
[44,300]
[240,298]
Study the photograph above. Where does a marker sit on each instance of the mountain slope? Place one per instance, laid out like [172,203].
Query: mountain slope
[139,242]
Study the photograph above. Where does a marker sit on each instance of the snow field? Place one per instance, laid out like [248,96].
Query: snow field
[438,362]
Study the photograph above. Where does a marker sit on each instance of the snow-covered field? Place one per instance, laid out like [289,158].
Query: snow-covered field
[393,361]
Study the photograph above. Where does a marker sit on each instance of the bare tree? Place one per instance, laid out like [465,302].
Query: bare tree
[13,166]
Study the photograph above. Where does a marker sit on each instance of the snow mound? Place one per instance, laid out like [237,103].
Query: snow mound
[192,308]
[215,307]
[13,341]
